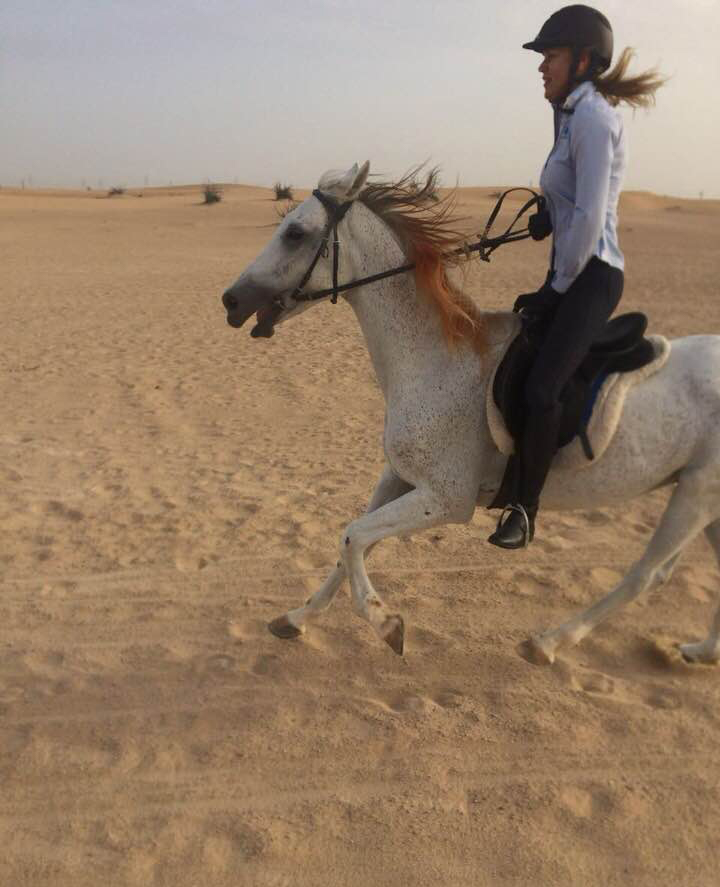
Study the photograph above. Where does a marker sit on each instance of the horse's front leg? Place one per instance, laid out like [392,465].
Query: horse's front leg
[419,509]
[293,623]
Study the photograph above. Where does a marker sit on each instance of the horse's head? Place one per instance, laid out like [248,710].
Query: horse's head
[266,287]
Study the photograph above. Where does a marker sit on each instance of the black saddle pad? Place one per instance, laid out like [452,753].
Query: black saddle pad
[621,347]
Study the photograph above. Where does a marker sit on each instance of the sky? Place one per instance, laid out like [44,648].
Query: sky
[104,93]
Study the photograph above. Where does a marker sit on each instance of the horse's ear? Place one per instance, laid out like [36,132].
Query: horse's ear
[345,185]
[359,180]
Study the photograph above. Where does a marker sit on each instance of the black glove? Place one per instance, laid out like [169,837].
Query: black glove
[545,299]
[540,224]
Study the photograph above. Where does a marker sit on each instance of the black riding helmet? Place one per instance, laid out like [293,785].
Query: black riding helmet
[579,27]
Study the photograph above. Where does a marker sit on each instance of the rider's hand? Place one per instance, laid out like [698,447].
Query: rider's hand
[540,225]
[522,303]
[545,299]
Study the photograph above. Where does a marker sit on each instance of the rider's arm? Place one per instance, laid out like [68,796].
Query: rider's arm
[592,148]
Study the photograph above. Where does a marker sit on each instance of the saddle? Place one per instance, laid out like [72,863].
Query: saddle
[621,347]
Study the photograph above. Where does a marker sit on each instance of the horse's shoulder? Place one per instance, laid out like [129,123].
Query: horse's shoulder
[500,327]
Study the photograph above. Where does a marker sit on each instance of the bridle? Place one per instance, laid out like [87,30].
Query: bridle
[335,214]
[336,211]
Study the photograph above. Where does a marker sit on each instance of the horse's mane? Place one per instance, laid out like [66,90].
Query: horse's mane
[428,230]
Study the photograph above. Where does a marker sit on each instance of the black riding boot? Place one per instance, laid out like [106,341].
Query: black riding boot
[537,448]
[517,530]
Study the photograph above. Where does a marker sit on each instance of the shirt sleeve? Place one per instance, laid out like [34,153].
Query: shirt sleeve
[592,150]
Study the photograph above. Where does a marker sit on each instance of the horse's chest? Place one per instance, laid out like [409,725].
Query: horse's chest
[429,425]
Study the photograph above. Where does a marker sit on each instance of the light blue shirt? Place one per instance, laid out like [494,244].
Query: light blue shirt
[581,181]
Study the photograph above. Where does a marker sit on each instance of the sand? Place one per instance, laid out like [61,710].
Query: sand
[167,485]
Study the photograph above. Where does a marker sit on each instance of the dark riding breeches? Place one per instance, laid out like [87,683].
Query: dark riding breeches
[578,319]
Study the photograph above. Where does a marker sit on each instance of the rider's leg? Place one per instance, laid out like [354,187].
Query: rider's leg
[580,316]
[537,448]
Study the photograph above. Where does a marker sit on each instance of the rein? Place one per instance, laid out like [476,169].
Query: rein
[335,213]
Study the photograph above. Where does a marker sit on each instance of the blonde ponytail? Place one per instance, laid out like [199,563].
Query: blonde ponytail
[638,91]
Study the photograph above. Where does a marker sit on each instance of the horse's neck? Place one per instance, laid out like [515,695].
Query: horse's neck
[403,334]
[402,329]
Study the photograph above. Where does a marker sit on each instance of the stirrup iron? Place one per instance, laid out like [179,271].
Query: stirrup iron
[526,520]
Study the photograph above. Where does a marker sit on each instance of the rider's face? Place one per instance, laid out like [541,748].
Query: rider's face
[555,70]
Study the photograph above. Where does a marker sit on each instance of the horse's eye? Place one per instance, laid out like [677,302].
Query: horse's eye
[294,233]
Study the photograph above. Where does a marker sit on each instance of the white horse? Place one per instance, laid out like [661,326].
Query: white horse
[434,356]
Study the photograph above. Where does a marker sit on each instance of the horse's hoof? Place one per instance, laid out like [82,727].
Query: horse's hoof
[283,628]
[394,634]
[537,651]
[699,654]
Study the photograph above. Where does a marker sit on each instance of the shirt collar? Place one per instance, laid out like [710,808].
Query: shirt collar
[577,95]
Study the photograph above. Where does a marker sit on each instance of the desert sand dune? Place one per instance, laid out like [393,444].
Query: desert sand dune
[167,485]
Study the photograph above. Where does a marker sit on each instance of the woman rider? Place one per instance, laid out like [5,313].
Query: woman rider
[581,183]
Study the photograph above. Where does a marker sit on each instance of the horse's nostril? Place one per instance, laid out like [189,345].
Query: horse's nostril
[229,301]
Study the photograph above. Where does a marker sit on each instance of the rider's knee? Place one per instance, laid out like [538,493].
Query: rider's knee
[540,397]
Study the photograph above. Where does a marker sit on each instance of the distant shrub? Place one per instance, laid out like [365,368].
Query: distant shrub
[426,190]
[114,192]
[288,208]
[283,192]
[212,194]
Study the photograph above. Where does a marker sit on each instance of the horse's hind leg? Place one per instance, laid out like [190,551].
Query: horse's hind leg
[692,506]
[292,624]
[664,573]
[709,649]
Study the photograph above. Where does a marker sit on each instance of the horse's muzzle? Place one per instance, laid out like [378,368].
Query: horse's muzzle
[237,313]
[242,302]
[230,301]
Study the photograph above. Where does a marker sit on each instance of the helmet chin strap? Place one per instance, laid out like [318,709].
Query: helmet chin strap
[573,82]
[575,78]
[593,68]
